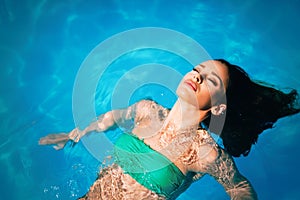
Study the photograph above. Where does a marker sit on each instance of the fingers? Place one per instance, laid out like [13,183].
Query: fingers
[43,141]
[46,140]
[59,146]
[54,139]
[59,140]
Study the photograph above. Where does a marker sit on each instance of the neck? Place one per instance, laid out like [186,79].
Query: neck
[184,115]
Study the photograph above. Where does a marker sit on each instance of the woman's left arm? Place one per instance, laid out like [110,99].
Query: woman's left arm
[224,170]
[206,157]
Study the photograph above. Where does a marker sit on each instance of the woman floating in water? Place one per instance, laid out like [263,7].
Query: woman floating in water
[167,150]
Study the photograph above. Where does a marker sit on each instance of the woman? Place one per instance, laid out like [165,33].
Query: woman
[167,150]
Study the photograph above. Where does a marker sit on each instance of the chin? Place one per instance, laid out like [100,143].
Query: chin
[187,97]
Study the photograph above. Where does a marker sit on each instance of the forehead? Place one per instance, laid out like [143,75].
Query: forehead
[217,68]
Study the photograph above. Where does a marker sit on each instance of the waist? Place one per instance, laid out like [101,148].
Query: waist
[147,166]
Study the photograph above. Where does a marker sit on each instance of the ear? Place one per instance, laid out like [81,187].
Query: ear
[219,109]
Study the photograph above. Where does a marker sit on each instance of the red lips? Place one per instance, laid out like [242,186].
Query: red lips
[192,85]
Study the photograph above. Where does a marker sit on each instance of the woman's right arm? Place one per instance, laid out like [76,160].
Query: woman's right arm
[103,123]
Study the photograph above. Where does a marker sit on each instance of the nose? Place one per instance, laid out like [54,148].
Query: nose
[198,78]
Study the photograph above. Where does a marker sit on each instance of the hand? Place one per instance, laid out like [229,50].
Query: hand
[59,140]
[75,135]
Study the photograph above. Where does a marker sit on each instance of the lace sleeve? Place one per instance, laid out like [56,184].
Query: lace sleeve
[124,118]
[150,109]
[140,113]
[224,170]
[206,157]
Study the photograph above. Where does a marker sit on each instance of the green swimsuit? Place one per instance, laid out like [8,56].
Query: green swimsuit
[148,167]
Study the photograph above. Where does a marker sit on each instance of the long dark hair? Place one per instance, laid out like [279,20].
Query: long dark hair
[252,107]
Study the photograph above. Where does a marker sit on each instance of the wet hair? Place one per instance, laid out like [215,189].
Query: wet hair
[252,107]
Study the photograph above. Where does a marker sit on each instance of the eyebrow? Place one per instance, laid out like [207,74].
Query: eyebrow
[213,73]
[203,66]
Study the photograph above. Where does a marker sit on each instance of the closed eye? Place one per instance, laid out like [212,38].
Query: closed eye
[214,82]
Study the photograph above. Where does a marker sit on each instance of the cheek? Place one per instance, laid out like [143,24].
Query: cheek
[204,99]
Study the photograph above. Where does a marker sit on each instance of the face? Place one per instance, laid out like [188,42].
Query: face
[205,85]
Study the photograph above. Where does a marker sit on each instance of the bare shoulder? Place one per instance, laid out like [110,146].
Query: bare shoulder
[150,108]
[148,104]
[148,118]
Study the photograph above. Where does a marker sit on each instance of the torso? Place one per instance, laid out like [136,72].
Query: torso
[185,148]
[176,145]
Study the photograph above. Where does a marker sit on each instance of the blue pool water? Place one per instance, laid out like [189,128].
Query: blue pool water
[43,45]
